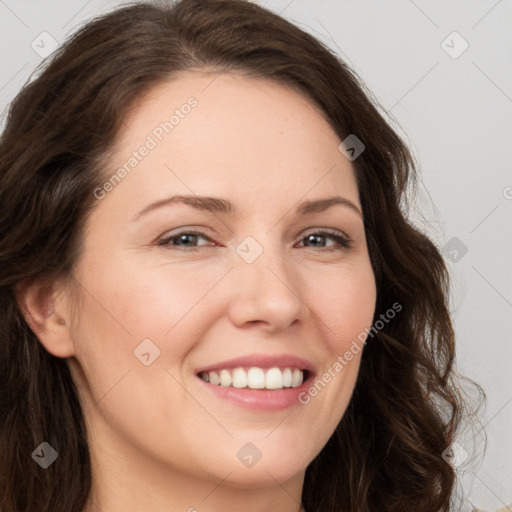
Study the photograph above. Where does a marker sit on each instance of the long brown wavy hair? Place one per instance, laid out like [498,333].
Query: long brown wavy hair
[386,453]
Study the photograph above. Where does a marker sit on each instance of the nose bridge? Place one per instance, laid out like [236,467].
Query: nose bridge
[268,288]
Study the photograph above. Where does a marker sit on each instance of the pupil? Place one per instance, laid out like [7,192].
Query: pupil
[185,237]
[314,238]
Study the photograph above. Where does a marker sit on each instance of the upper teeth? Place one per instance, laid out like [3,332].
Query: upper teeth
[255,378]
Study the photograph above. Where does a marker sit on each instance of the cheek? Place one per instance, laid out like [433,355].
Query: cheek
[122,309]
[149,300]
[345,302]
[167,302]
[129,304]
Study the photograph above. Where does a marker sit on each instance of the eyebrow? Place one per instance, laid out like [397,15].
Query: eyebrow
[223,206]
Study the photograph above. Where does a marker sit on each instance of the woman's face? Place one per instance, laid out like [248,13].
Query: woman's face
[187,286]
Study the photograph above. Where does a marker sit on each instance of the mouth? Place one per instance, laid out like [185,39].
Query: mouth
[259,382]
[254,377]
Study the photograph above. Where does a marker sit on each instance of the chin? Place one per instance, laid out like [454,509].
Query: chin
[278,465]
[262,475]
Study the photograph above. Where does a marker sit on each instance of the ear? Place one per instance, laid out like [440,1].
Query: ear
[43,304]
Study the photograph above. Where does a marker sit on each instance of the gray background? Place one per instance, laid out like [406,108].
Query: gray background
[455,111]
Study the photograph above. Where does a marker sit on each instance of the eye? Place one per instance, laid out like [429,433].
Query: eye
[188,240]
[185,239]
[342,241]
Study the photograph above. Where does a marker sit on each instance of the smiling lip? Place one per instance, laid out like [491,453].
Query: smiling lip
[261,361]
[260,399]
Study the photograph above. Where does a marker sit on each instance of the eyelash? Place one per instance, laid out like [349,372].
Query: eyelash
[344,242]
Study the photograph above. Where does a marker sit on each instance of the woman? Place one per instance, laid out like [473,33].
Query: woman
[211,296]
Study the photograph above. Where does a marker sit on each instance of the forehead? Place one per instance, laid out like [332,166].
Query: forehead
[239,134]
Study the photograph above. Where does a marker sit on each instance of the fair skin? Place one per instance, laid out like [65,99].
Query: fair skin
[160,440]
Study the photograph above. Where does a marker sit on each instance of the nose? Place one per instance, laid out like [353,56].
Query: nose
[267,292]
